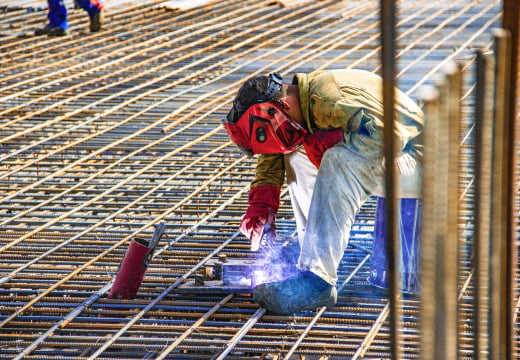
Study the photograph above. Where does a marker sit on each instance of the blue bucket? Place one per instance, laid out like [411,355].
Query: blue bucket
[409,232]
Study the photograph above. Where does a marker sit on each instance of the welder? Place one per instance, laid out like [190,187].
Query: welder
[323,134]
[57,16]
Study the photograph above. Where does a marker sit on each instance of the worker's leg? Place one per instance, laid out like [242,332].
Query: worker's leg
[350,172]
[95,11]
[301,176]
[90,6]
[345,181]
[57,14]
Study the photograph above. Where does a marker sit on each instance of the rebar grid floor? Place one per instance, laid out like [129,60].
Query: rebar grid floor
[103,135]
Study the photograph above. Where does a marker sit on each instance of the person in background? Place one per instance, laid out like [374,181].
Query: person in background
[57,15]
[323,134]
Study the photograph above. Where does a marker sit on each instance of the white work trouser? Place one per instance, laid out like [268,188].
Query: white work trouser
[326,201]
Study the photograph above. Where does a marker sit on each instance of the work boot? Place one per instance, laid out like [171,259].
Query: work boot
[97,20]
[303,292]
[51,31]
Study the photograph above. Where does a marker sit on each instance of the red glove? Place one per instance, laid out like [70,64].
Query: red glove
[317,143]
[264,201]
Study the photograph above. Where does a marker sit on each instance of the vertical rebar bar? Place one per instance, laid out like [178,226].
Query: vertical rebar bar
[511,14]
[455,81]
[445,236]
[483,186]
[388,40]
[501,314]
[428,278]
[440,230]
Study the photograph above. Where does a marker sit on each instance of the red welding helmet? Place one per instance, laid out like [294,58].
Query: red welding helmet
[264,127]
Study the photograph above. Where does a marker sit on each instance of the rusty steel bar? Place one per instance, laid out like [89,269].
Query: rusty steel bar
[452,250]
[511,14]
[501,311]
[240,334]
[192,328]
[430,98]
[440,235]
[389,151]
[483,185]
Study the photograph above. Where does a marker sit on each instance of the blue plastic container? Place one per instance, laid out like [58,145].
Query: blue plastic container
[409,232]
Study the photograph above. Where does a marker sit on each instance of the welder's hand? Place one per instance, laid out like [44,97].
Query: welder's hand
[317,143]
[254,229]
[264,201]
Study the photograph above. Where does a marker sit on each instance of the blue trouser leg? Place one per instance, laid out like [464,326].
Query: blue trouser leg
[92,7]
[57,14]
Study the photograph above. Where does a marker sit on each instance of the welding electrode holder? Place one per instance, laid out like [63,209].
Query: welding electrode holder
[133,267]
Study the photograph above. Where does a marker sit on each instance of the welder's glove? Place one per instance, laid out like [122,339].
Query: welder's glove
[264,201]
[317,143]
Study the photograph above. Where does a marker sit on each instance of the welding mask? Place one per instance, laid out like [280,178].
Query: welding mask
[264,127]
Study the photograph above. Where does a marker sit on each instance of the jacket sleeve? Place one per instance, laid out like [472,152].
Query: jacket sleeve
[270,170]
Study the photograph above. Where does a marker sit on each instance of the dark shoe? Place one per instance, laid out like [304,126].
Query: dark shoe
[97,20]
[303,292]
[51,31]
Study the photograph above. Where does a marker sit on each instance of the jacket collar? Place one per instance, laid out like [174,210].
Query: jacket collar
[302,81]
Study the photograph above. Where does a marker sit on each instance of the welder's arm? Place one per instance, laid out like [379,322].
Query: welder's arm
[320,141]
[264,201]
[264,196]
